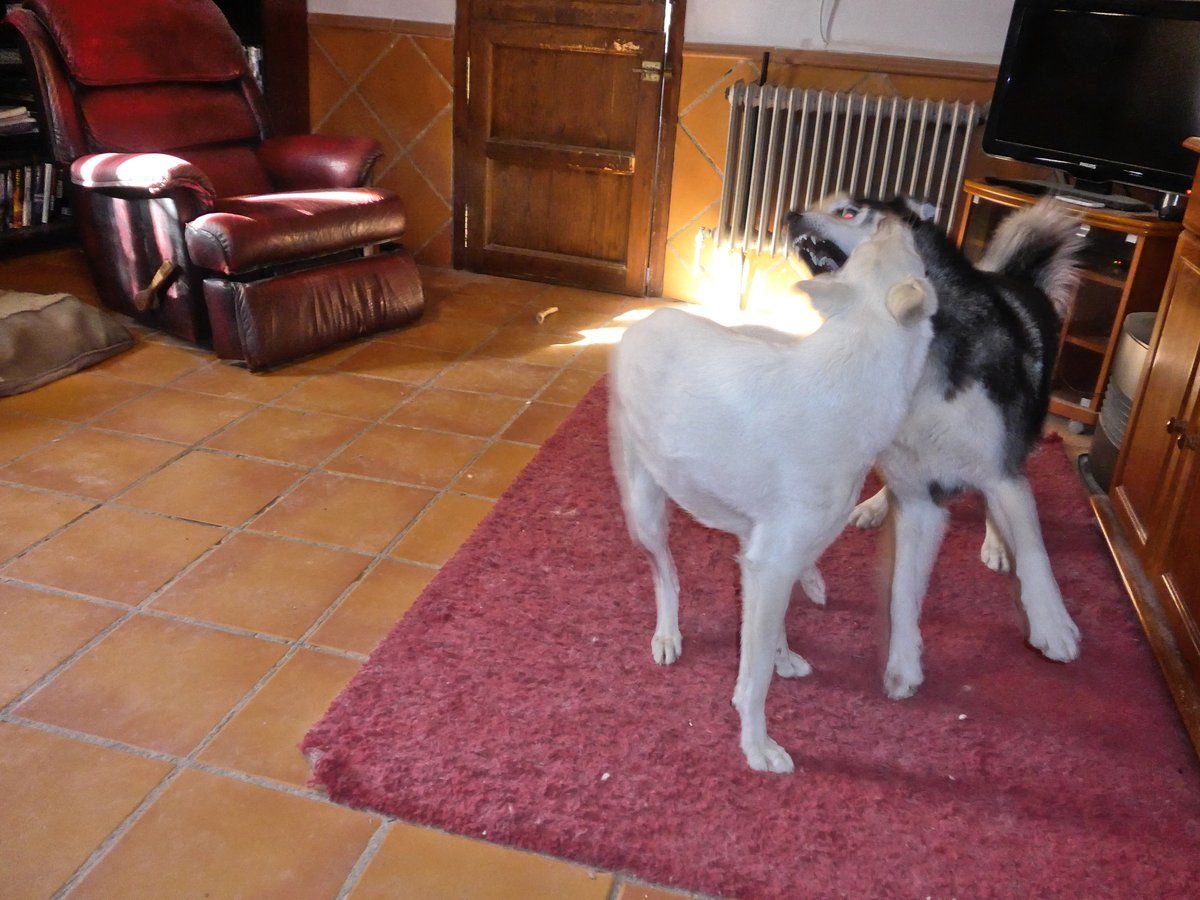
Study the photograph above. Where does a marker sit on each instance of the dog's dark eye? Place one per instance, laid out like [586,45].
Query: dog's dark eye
[849,212]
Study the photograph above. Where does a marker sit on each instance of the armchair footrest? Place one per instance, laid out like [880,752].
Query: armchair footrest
[277,319]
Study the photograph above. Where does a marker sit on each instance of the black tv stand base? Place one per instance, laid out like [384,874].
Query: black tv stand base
[1069,193]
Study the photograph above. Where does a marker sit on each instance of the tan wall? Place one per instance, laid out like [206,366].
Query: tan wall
[374,80]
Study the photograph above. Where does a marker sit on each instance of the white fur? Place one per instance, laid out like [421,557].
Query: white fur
[958,442]
[770,438]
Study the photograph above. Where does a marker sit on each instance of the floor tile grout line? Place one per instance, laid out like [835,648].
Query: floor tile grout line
[364,859]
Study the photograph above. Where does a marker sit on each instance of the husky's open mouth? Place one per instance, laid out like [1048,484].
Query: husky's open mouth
[819,254]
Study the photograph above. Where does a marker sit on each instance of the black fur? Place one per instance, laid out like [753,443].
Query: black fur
[994,329]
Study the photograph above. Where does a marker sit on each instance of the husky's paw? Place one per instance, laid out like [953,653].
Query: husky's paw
[813,585]
[1057,637]
[768,757]
[993,553]
[666,648]
[901,679]
[791,665]
[871,512]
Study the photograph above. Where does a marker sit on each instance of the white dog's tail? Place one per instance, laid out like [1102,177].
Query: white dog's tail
[1039,245]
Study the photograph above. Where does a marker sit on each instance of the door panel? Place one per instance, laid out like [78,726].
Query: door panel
[1179,582]
[560,139]
[637,15]
[1141,489]
[525,203]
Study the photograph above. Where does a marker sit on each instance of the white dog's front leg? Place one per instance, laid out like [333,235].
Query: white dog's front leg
[920,526]
[767,581]
[872,511]
[1051,628]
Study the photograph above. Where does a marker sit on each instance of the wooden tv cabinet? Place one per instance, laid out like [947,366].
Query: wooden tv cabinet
[1125,265]
[1151,516]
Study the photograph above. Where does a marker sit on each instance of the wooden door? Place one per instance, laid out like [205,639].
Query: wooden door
[1150,462]
[557,139]
[1178,583]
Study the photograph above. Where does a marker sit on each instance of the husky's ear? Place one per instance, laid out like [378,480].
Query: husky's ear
[923,211]
[911,300]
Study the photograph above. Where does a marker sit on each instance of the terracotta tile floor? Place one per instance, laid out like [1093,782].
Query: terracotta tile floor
[195,560]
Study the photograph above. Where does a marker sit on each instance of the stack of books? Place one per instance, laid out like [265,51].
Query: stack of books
[32,194]
[16,120]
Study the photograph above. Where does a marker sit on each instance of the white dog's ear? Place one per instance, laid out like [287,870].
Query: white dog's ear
[911,300]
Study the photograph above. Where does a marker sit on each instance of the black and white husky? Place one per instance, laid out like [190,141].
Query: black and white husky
[978,409]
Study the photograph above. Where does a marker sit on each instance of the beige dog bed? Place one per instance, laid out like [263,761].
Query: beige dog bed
[44,337]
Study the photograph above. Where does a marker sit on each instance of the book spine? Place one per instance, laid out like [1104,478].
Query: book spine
[47,190]
[18,196]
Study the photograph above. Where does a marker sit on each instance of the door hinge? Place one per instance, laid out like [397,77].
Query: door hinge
[468,79]
[466,225]
[650,69]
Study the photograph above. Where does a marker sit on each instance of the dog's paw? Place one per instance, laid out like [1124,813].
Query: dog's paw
[791,665]
[813,585]
[768,757]
[993,554]
[1057,637]
[666,648]
[901,680]
[871,512]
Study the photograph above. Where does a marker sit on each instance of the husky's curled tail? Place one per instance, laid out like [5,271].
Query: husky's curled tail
[1038,245]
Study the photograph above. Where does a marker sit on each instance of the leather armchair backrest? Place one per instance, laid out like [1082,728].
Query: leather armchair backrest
[161,76]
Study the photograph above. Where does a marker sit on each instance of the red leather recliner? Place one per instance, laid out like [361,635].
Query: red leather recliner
[193,218]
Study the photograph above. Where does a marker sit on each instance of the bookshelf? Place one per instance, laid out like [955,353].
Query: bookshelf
[279,29]
[31,218]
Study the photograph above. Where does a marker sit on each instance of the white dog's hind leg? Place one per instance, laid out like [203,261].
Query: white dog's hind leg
[920,526]
[645,505]
[788,663]
[647,515]
[767,578]
[1051,628]
[992,552]
[872,511]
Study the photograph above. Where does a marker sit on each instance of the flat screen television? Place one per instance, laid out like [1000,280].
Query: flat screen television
[1105,91]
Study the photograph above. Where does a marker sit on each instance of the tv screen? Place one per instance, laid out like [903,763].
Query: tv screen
[1104,90]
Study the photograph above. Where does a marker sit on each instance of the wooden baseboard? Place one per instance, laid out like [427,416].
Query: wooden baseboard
[1184,691]
[372,23]
[858,62]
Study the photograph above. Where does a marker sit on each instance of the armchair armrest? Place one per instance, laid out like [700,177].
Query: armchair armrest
[144,176]
[298,162]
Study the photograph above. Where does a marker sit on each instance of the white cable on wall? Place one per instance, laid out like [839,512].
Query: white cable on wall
[825,23]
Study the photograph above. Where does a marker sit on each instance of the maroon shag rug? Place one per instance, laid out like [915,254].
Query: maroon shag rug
[517,701]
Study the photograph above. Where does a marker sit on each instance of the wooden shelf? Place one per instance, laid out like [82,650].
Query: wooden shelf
[1100,278]
[1097,343]
[1070,405]
[1122,269]
[31,238]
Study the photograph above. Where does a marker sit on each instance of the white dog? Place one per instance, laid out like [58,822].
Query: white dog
[768,437]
